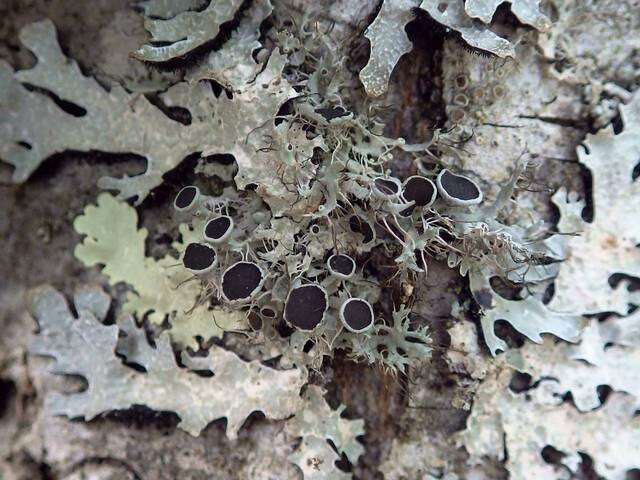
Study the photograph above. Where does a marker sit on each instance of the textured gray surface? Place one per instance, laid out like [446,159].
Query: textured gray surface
[400,413]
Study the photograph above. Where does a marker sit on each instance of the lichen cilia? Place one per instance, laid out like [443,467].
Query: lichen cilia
[310,269]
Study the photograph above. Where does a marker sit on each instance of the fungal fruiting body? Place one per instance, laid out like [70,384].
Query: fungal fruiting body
[199,258]
[458,189]
[341,266]
[356,315]
[420,190]
[187,199]
[218,229]
[241,282]
[386,187]
[306,306]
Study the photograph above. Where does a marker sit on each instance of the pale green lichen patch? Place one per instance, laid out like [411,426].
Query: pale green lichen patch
[114,241]
[528,316]
[36,128]
[574,372]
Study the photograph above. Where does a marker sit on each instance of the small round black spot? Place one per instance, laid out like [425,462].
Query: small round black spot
[342,264]
[217,227]
[305,307]
[386,186]
[198,257]
[419,189]
[268,312]
[357,314]
[241,281]
[186,197]
[458,186]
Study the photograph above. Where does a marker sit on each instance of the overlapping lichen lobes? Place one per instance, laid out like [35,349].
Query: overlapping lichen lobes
[530,317]
[607,245]
[233,66]
[317,419]
[522,425]
[185,31]
[452,15]
[85,347]
[113,240]
[527,11]
[389,40]
[581,375]
[34,127]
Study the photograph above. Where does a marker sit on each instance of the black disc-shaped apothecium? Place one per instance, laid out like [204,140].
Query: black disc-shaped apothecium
[199,258]
[218,229]
[187,198]
[305,306]
[241,281]
[420,190]
[386,187]
[356,315]
[341,266]
[268,312]
[458,189]
[359,225]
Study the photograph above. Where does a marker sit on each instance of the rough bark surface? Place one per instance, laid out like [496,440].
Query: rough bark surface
[38,241]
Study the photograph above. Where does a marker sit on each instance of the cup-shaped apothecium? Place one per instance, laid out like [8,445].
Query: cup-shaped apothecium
[386,187]
[306,306]
[268,311]
[218,229]
[356,315]
[242,281]
[458,189]
[420,190]
[187,199]
[199,258]
[341,266]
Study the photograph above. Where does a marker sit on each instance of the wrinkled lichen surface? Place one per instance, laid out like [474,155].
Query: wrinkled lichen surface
[504,332]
